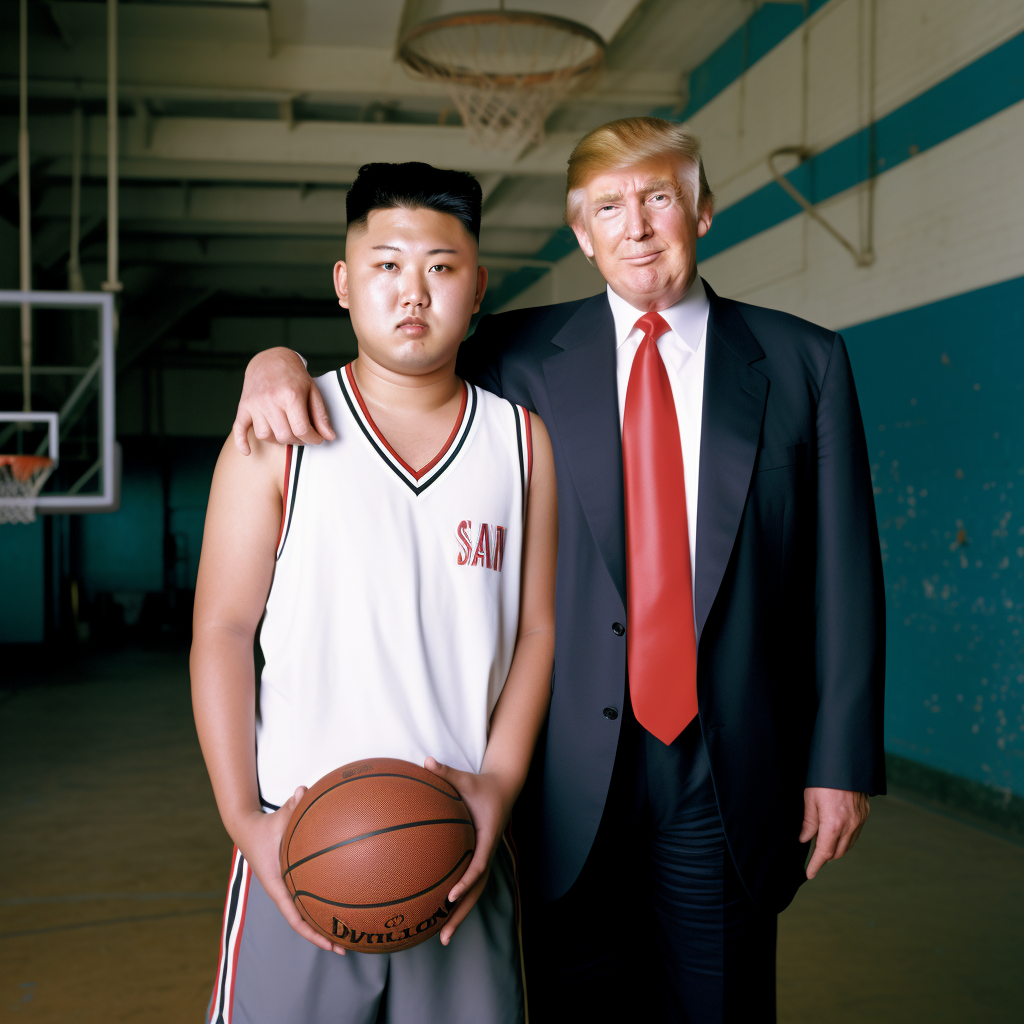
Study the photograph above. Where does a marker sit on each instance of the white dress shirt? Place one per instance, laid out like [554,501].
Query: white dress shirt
[682,350]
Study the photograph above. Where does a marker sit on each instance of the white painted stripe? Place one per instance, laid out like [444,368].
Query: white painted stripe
[919,44]
[946,222]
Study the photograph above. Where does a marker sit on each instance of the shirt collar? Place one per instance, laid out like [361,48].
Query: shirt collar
[688,317]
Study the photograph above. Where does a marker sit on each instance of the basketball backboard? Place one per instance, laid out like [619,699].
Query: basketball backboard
[72,417]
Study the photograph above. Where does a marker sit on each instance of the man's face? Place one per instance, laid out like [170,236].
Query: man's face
[640,226]
[411,282]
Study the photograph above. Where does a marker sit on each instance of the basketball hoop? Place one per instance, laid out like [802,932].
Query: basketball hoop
[505,70]
[21,479]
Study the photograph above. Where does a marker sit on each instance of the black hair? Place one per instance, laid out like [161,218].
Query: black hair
[415,185]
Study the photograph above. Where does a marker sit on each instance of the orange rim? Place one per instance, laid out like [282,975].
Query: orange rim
[24,466]
[464,76]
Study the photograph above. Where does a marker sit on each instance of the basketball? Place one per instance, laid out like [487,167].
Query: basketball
[372,851]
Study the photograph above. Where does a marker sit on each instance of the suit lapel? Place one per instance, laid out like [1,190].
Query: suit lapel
[733,409]
[583,392]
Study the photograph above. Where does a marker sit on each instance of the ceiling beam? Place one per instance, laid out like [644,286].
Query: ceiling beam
[212,209]
[239,251]
[141,330]
[152,66]
[230,47]
[211,228]
[318,253]
[238,147]
[628,89]
[273,281]
[194,205]
[154,169]
[303,282]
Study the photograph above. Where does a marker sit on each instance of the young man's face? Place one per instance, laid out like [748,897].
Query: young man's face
[411,281]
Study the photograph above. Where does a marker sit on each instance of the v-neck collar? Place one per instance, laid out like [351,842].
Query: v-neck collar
[416,479]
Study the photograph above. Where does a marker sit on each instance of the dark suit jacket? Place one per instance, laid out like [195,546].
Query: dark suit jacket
[789,600]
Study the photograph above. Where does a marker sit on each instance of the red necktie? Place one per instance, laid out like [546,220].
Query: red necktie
[662,647]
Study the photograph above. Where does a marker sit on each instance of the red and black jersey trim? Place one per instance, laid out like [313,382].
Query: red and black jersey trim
[265,804]
[524,442]
[416,480]
[292,465]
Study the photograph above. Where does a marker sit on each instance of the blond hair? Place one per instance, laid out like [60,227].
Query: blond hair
[629,141]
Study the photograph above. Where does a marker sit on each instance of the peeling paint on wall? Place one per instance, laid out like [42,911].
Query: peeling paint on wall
[942,395]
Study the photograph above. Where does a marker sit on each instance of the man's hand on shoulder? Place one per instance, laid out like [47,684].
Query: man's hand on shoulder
[836,817]
[280,402]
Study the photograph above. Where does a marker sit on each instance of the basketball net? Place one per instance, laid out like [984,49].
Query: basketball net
[506,71]
[22,478]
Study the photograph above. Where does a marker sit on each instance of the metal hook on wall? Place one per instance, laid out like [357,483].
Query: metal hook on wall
[863,258]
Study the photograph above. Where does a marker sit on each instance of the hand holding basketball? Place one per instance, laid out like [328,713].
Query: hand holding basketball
[489,805]
[259,837]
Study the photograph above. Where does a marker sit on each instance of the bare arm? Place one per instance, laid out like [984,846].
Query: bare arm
[519,713]
[280,402]
[239,544]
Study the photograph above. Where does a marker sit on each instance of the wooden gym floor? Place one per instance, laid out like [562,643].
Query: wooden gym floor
[114,864]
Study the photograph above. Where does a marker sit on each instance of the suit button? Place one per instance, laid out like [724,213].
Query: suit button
[610,713]
[618,628]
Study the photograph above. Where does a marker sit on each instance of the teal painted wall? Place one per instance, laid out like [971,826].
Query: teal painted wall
[192,473]
[22,599]
[942,395]
[122,552]
[119,553]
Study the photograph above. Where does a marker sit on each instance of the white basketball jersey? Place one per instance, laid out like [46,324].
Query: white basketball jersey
[392,616]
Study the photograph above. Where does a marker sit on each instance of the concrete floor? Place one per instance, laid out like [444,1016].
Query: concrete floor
[115,861]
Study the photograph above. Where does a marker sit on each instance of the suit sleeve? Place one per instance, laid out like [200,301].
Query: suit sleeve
[847,745]
[479,359]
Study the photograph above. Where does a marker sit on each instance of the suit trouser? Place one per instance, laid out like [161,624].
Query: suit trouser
[658,925]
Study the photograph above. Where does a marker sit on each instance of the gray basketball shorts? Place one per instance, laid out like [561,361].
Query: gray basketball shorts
[268,974]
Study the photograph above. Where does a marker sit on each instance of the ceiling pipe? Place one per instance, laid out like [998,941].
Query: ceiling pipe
[24,213]
[113,281]
[75,282]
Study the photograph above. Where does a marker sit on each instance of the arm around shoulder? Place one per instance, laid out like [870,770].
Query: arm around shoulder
[280,402]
